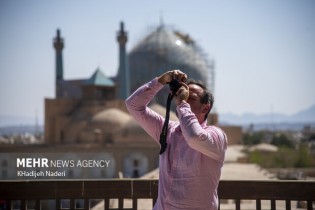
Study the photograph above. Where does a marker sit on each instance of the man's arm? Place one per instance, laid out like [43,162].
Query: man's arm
[137,103]
[210,141]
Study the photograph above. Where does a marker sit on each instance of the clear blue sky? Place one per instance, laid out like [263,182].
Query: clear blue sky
[264,49]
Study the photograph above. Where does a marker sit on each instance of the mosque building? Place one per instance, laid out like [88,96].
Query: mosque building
[89,117]
[78,112]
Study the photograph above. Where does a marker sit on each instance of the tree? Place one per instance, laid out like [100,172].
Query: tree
[304,157]
[281,140]
[252,139]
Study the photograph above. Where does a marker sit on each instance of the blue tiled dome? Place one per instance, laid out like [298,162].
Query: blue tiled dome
[166,49]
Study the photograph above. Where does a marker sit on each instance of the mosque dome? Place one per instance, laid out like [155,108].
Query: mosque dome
[111,118]
[166,49]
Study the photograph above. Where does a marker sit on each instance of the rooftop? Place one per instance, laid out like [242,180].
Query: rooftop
[99,79]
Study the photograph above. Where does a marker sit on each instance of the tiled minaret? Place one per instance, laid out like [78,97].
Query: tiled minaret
[58,45]
[123,71]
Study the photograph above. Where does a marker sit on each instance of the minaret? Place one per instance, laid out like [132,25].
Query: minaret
[123,71]
[58,45]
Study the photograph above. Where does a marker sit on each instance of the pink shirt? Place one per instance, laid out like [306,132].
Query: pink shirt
[190,168]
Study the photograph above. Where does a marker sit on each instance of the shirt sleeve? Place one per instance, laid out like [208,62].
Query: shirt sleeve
[137,103]
[210,140]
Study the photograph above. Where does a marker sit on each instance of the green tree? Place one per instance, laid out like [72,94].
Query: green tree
[284,158]
[281,140]
[304,157]
[254,138]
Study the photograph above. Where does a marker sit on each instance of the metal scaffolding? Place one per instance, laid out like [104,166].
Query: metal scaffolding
[166,49]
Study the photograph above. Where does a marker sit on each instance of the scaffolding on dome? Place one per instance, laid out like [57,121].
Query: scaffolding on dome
[164,49]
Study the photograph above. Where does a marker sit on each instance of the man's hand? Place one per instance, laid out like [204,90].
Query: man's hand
[175,74]
[182,94]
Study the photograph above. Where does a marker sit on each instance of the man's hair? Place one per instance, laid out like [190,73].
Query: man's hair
[207,96]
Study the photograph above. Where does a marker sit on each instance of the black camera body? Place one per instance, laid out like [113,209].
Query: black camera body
[174,86]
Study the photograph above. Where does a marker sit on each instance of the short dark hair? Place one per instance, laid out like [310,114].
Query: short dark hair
[207,96]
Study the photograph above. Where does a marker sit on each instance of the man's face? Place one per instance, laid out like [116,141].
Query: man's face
[199,109]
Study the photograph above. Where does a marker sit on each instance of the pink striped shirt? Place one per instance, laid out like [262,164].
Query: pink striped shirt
[190,168]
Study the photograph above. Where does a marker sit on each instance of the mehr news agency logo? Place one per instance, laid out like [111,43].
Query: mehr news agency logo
[43,167]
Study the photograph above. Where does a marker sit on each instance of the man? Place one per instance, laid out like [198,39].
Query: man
[190,168]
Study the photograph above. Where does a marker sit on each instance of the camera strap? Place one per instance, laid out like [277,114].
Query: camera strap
[163,134]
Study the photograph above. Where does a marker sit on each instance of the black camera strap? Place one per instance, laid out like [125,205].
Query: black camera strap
[163,134]
[174,87]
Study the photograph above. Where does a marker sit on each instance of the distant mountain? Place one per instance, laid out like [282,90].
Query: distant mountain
[7,120]
[307,115]
[304,116]
[21,129]
[19,125]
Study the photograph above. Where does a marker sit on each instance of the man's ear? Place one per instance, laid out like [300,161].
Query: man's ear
[206,108]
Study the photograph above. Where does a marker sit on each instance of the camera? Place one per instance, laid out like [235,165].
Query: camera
[174,86]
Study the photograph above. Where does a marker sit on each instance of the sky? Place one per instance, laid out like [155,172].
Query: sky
[264,50]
